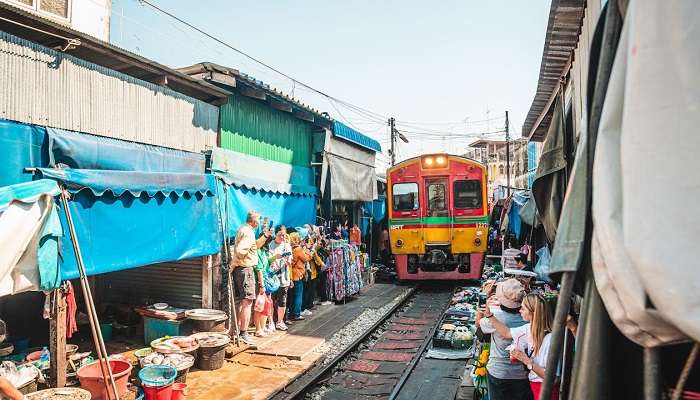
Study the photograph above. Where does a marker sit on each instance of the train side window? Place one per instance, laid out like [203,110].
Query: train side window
[467,194]
[405,196]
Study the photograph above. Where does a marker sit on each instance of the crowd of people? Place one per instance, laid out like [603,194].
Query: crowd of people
[520,324]
[277,275]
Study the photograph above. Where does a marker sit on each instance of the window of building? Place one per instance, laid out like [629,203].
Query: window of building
[404,196]
[467,194]
[437,197]
[54,8]
[500,170]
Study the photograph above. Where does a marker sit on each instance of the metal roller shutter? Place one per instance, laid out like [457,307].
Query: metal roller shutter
[176,283]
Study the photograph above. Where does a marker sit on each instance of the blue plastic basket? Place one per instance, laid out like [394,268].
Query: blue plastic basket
[157,375]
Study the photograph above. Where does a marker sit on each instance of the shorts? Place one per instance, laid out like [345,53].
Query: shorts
[281,296]
[244,283]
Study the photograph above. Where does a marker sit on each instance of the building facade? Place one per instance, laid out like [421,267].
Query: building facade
[91,17]
[492,153]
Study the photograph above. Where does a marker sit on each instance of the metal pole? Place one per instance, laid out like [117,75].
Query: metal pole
[507,157]
[392,139]
[90,305]
[558,331]
[652,366]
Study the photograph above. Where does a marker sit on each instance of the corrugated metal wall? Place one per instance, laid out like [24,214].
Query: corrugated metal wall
[176,283]
[45,87]
[252,127]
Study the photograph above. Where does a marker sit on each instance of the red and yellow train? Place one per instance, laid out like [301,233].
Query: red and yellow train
[438,217]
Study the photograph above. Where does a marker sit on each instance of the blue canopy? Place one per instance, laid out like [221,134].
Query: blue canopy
[164,210]
[122,221]
[290,210]
[343,131]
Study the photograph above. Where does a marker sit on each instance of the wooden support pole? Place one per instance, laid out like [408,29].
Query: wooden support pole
[207,287]
[57,339]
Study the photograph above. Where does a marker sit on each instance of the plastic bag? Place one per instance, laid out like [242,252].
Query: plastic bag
[542,267]
[259,303]
[268,306]
[272,283]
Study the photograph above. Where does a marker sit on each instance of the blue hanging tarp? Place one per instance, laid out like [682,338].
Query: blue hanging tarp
[375,209]
[290,210]
[519,199]
[127,224]
[20,147]
[80,150]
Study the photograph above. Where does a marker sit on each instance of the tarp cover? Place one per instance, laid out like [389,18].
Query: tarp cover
[375,209]
[351,170]
[646,224]
[29,234]
[81,150]
[120,232]
[20,147]
[290,210]
[255,173]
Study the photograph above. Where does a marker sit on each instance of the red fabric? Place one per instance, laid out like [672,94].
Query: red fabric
[355,236]
[536,387]
[71,310]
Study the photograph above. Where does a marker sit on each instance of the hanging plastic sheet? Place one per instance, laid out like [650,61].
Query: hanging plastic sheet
[20,147]
[645,222]
[288,209]
[81,150]
[517,203]
[375,209]
[122,221]
[29,234]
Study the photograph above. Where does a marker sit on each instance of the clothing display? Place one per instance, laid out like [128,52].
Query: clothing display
[344,268]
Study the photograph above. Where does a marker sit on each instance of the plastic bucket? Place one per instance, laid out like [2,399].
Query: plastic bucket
[158,393]
[179,391]
[90,377]
[106,329]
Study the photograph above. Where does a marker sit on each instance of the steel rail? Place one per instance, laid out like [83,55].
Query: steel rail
[419,356]
[350,348]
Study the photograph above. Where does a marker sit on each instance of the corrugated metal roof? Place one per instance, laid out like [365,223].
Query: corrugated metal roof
[563,28]
[343,131]
[46,87]
[232,79]
[96,51]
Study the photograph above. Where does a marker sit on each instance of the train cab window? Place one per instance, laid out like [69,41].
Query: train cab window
[405,196]
[467,194]
[437,198]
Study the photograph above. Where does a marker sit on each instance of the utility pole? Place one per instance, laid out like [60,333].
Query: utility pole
[507,156]
[392,139]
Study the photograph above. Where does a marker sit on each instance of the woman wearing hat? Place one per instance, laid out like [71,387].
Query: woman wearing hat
[507,380]
[532,339]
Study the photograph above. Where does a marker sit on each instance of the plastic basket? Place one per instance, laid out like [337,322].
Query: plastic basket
[157,375]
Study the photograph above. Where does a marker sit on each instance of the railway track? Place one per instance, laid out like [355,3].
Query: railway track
[383,361]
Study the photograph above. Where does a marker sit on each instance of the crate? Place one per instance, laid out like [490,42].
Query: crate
[156,328]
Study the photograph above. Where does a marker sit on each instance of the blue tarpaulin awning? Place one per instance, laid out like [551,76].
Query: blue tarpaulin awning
[345,132]
[283,193]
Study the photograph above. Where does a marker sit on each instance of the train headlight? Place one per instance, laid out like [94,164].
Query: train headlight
[399,243]
[429,161]
[477,241]
[441,160]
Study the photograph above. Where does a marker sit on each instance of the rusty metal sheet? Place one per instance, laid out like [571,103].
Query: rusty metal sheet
[402,327]
[395,345]
[413,321]
[384,356]
[404,336]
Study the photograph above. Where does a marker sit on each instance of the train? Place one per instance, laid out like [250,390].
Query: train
[438,217]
